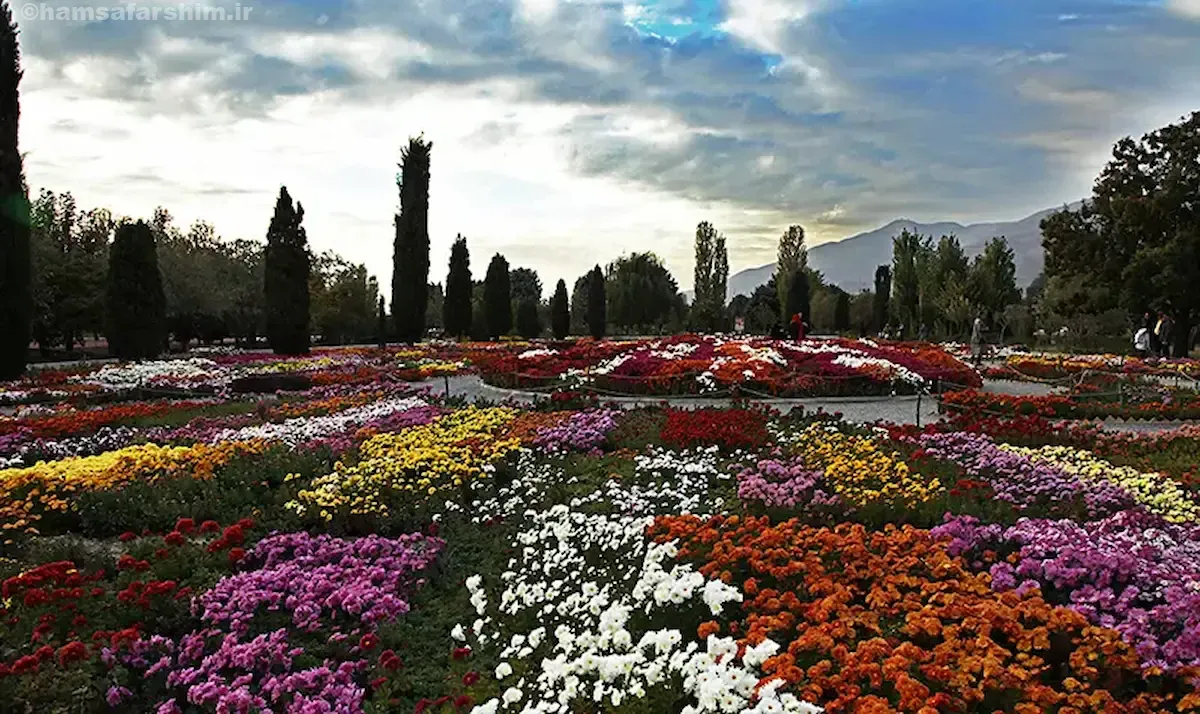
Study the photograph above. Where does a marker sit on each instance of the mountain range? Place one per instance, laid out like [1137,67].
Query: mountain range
[850,263]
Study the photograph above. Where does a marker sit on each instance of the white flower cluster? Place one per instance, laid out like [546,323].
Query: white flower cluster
[299,430]
[671,482]
[530,354]
[576,621]
[190,372]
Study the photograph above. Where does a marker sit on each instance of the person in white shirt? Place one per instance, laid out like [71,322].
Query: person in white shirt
[1141,341]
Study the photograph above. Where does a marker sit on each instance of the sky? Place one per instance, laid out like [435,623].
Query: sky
[568,132]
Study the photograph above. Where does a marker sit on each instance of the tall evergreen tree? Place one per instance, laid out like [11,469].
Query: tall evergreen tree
[497,298]
[597,308]
[410,257]
[882,297]
[136,304]
[792,255]
[711,277]
[381,326]
[798,298]
[579,297]
[560,312]
[15,278]
[286,279]
[456,310]
[841,312]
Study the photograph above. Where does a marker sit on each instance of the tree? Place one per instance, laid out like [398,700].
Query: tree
[410,257]
[137,307]
[456,310]
[1136,244]
[791,256]
[15,267]
[381,324]
[285,283]
[525,285]
[69,259]
[640,292]
[579,295]
[560,315]
[798,296]
[597,304]
[343,298]
[841,312]
[907,263]
[881,298]
[529,324]
[497,298]
[992,284]
[711,278]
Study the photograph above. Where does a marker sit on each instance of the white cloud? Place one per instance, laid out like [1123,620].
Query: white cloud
[1187,8]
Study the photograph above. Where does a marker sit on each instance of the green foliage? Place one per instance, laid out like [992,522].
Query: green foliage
[410,258]
[529,323]
[524,284]
[597,304]
[456,310]
[798,302]
[909,253]
[579,301]
[791,256]
[15,266]
[841,312]
[711,279]
[137,307]
[760,310]
[560,315]
[497,298]
[343,299]
[286,279]
[641,293]
[992,284]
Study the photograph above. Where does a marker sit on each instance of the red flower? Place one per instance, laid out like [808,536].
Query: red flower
[470,678]
[421,706]
[217,545]
[127,536]
[461,652]
[433,528]
[246,523]
[125,562]
[162,553]
[368,641]
[174,538]
[378,682]
[236,554]
[185,525]
[462,702]
[389,661]
[233,535]
[79,621]
[73,652]
[210,527]
[23,665]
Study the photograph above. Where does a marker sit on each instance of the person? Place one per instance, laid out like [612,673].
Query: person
[1164,337]
[1157,332]
[1141,342]
[798,326]
[977,340]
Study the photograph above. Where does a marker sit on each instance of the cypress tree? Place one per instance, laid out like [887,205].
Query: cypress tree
[137,306]
[797,297]
[456,308]
[841,312]
[381,325]
[497,298]
[410,257]
[560,313]
[285,279]
[15,301]
[529,325]
[597,312]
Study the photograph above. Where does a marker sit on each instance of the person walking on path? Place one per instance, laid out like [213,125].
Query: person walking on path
[1166,326]
[1141,342]
[977,340]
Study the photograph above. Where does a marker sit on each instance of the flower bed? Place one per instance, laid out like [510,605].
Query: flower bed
[698,364]
[1167,404]
[354,548]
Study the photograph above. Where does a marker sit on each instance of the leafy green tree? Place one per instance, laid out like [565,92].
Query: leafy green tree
[992,284]
[792,255]
[343,298]
[597,312]
[525,285]
[456,312]
[881,298]
[862,312]
[711,278]
[908,259]
[579,298]
[497,298]
[410,257]
[760,310]
[1136,244]
[15,262]
[640,292]
[137,306]
[286,276]
[560,314]
[529,323]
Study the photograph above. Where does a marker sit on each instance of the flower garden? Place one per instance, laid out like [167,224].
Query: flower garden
[178,537]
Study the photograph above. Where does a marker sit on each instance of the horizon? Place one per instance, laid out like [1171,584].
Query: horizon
[567,134]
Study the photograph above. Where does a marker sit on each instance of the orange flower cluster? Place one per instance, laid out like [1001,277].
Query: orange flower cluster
[887,621]
[526,426]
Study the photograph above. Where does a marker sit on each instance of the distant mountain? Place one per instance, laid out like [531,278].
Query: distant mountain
[850,263]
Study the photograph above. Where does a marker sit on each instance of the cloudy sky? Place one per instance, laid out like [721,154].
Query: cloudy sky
[566,132]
